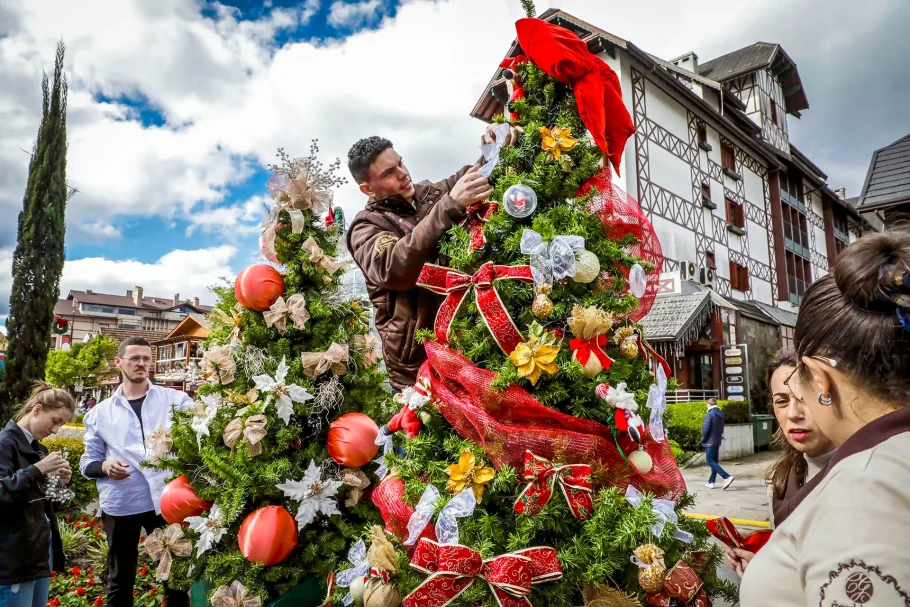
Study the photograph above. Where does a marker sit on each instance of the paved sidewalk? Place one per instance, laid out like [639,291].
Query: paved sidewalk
[746,499]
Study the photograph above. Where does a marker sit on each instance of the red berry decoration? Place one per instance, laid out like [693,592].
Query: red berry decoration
[352,440]
[258,286]
[268,535]
[179,501]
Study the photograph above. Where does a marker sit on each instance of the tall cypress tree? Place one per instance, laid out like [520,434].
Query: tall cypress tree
[39,256]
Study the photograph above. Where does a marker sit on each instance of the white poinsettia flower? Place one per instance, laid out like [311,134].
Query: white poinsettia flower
[203,415]
[621,399]
[314,494]
[285,394]
[210,529]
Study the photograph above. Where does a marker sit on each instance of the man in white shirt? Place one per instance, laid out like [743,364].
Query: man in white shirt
[130,494]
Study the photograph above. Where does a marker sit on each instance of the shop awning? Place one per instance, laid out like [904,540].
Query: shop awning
[678,318]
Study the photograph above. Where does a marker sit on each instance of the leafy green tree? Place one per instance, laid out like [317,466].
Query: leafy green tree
[39,256]
[83,363]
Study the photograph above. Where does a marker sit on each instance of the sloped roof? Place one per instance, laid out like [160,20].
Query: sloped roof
[766,313]
[758,56]
[122,301]
[888,178]
[671,314]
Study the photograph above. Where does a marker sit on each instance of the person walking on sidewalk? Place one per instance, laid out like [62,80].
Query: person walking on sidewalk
[712,434]
[115,447]
[29,539]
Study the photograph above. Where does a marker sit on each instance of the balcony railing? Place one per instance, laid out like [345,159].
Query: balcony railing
[843,236]
[797,248]
[792,201]
[688,396]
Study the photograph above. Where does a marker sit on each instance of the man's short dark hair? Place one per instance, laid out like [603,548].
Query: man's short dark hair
[363,153]
[132,341]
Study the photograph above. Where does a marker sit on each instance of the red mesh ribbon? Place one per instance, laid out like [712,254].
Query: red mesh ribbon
[389,498]
[584,348]
[563,56]
[541,475]
[509,423]
[455,285]
[454,568]
[723,529]
[478,215]
[621,216]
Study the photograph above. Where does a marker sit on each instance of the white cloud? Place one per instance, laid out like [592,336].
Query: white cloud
[229,222]
[353,14]
[3,325]
[100,229]
[189,273]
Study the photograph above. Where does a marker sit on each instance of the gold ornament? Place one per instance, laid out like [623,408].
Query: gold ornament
[641,461]
[556,141]
[601,595]
[587,267]
[652,570]
[624,333]
[467,474]
[543,305]
[628,348]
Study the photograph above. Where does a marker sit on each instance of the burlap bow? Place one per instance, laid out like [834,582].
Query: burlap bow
[253,430]
[318,257]
[358,481]
[305,195]
[234,596]
[163,545]
[317,363]
[280,311]
[159,444]
[367,345]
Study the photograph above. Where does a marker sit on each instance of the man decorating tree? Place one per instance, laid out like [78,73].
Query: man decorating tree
[398,232]
[116,431]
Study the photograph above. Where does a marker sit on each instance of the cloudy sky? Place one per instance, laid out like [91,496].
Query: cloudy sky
[176,106]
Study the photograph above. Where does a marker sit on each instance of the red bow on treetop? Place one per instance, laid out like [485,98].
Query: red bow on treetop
[563,56]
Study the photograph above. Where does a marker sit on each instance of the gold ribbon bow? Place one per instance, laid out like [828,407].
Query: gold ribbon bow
[358,481]
[218,362]
[234,596]
[294,308]
[160,443]
[304,194]
[163,545]
[317,363]
[367,345]
[253,430]
[317,256]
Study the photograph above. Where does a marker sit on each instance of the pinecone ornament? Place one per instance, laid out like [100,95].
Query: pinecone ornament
[543,305]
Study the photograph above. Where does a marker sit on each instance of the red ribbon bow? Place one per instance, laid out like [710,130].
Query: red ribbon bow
[562,55]
[647,351]
[574,481]
[585,347]
[456,284]
[377,574]
[454,568]
[478,215]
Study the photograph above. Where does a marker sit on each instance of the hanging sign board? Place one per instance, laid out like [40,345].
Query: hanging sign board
[735,372]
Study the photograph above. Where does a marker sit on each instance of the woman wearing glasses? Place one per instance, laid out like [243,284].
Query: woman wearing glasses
[804,450]
[846,541]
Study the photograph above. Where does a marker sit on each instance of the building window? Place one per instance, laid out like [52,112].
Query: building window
[728,319]
[706,190]
[799,276]
[709,260]
[841,233]
[796,232]
[787,341]
[727,157]
[97,308]
[739,277]
[702,133]
[773,112]
[735,215]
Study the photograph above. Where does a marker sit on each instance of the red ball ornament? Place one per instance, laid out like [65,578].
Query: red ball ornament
[179,501]
[258,286]
[352,440]
[268,535]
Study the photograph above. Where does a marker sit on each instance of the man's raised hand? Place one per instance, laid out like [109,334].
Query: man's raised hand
[471,188]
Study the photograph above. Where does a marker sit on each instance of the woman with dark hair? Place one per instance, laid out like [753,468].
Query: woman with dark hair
[804,450]
[845,542]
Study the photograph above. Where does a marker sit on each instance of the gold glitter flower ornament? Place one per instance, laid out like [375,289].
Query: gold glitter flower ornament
[466,473]
[557,140]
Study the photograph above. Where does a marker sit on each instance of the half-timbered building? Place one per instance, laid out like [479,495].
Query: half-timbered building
[746,221]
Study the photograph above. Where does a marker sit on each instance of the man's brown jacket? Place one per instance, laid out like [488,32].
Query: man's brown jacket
[391,240]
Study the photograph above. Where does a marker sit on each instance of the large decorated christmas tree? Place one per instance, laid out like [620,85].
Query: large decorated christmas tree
[523,471]
[268,466]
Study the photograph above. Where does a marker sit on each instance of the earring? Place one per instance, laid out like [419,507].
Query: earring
[825,401]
